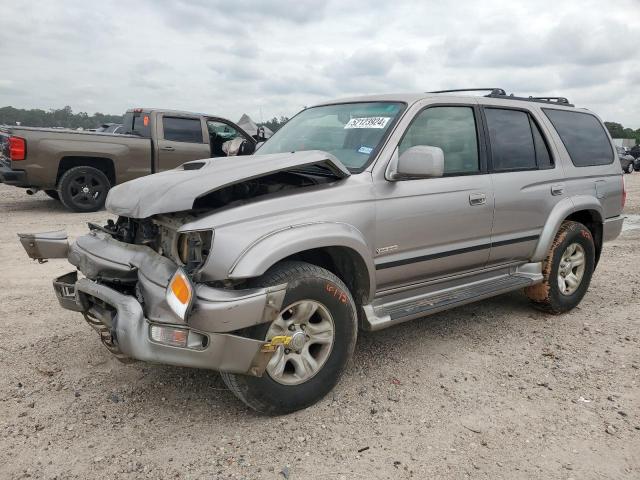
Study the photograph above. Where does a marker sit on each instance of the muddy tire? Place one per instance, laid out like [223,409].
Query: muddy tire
[83,189]
[52,194]
[319,312]
[567,270]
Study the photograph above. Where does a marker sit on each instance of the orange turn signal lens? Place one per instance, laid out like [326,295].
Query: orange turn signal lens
[180,294]
[180,289]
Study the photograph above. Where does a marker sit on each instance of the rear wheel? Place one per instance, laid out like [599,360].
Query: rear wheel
[83,189]
[567,270]
[320,317]
[53,194]
[630,168]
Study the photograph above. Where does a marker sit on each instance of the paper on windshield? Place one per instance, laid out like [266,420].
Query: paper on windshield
[367,122]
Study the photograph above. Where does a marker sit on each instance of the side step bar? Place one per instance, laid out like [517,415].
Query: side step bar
[382,314]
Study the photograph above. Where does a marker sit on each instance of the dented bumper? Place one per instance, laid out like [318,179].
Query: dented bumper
[127,333]
[123,298]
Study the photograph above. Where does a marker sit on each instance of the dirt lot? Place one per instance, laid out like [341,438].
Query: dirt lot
[492,390]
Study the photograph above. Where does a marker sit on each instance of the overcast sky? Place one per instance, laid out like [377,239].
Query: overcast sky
[270,58]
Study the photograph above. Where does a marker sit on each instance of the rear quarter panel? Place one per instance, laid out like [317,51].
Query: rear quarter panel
[599,184]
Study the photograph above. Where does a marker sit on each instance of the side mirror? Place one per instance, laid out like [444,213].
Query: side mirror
[421,161]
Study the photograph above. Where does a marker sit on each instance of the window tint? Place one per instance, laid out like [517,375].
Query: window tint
[583,137]
[542,150]
[135,123]
[511,139]
[453,129]
[182,129]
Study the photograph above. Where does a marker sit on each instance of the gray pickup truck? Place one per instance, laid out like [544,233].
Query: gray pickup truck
[79,168]
[357,214]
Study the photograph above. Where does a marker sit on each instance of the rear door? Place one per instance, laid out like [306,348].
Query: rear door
[180,139]
[527,181]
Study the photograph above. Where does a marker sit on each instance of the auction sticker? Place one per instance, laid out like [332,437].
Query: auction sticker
[368,122]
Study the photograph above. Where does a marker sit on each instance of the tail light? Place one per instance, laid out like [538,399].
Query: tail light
[17,148]
[624,191]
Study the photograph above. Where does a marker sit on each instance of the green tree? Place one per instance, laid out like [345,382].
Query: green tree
[63,117]
[616,130]
[275,123]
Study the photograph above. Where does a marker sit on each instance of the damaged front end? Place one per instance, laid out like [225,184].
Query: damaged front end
[145,306]
[141,280]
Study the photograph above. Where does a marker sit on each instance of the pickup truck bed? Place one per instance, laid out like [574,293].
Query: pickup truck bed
[79,167]
[50,150]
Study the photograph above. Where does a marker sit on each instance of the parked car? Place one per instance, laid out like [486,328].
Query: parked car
[111,128]
[626,160]
[635,153]
[79,167]
[357,214]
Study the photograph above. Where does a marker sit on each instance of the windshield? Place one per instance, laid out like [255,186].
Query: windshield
[352,132]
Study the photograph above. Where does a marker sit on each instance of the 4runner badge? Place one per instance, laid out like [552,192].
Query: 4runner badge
[388,249]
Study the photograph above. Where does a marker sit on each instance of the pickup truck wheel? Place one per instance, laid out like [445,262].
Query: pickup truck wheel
[320,317]
[53,194]
[567,270]
[83,189]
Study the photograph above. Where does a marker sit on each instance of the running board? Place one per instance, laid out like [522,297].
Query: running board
[383,312]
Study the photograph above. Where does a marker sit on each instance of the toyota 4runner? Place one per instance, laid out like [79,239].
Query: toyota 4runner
[357,214]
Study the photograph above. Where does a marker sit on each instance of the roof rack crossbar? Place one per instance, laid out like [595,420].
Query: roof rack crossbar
[493,90]
[552,99]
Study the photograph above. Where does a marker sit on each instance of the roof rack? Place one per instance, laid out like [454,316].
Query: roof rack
[494,91]
[562,100]
[501,93]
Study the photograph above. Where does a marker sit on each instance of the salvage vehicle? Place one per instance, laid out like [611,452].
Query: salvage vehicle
[626,161]
[79,167]
[357,214]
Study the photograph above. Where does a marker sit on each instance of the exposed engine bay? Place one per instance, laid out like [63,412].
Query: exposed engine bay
[190,249]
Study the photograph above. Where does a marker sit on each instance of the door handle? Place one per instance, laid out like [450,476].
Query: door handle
[557,189]
[477,199]
[167,149]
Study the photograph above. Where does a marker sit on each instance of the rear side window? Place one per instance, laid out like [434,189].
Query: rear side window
[583,136]
[543,156]
[512,146]
[182,129]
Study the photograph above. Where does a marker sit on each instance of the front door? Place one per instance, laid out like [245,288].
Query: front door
[435,227]
[181,140]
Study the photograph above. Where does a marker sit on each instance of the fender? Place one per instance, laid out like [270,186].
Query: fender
[562,210]
[269,249]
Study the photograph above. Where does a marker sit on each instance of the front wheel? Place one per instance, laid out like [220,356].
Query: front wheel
[320,317]
[83,189]
[566,271]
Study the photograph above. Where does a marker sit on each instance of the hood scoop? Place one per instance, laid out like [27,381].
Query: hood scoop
[180,189]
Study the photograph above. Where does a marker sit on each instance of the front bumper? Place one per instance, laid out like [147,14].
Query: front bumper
[126,332]
[9,176]
[123,297]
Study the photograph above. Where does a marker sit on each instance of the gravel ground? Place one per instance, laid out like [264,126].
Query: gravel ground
[491,390]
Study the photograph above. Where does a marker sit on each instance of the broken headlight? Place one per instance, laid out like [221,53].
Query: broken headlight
[193,248]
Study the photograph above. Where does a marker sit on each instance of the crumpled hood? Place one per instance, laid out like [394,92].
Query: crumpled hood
[176,190]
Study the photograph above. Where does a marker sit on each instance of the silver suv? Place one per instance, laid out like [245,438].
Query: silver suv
[358,214]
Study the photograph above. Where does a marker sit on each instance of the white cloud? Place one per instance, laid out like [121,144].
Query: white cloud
[275,57]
